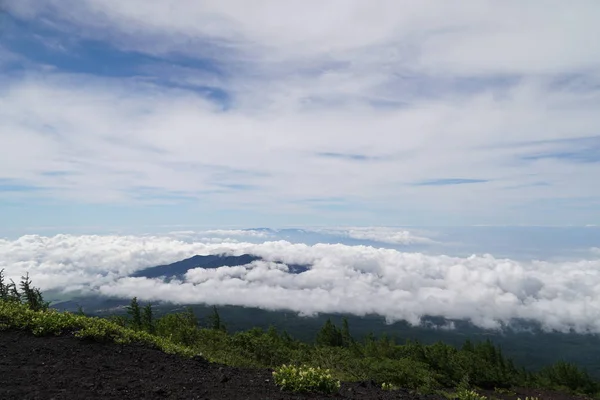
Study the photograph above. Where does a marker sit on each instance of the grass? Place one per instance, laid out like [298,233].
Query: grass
[14,315]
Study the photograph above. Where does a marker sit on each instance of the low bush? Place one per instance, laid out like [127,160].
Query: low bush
[305,379]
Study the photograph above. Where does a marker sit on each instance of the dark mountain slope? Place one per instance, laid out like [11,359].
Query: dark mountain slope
[179,268]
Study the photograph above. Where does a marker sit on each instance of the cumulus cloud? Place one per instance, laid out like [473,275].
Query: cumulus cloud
[74,262]
[379,234]
[348,279]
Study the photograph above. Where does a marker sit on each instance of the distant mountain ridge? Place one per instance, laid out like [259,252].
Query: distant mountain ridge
[180,268]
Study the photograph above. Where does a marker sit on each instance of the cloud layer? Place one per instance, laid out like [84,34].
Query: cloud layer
[378,234]
[349,279]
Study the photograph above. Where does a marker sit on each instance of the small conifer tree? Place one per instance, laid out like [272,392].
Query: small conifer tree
[4,289]
[330,335]
[13,292]
[215,320]
[347,339]
[31,295]
[148,319]
[135,314]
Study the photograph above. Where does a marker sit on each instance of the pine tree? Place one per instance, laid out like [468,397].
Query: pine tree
[31,295]
[190,317]
[347,339]
[329,335]
[4,289]
[285,336]
[468,346]
[272,332]
[13,292]
[135,313]
[215,320]
[148,319]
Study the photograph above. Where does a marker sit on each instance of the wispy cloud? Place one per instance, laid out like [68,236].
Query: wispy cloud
[449,181]
[180,97]
[581,150]
[350,157]
[8,185]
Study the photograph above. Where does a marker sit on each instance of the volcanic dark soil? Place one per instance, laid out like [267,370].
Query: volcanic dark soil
[64,367]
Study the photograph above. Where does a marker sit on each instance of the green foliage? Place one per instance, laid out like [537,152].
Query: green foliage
[305,379]
[265,349]
[337,359]
[135,314]
[215,321]
[15,315]
[148,319]
[31,295]
[563,375]
[180,328]
[347,339]
[4,289]
[8,291]
[402,372]
[330,335]
[118,320]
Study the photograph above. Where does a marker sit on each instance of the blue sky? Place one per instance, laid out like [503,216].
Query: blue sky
[133,115]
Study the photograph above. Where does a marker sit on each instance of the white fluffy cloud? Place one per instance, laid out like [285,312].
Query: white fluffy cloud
[349,279]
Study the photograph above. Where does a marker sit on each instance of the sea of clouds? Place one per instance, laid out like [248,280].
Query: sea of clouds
[356,279]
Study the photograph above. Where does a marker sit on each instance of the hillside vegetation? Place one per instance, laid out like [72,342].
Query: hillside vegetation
[426,368]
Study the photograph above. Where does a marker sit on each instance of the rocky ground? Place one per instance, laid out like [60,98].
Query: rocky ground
[68,368]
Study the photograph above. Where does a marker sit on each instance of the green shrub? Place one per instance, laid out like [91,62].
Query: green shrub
[563,375]
[180,328]
[404,373]
[305,379]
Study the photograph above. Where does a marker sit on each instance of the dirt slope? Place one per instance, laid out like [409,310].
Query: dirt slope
[68,368]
